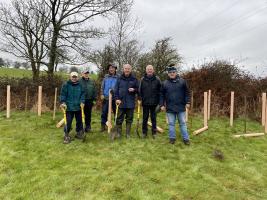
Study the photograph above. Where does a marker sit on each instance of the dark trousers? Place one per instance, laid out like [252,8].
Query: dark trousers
[88,105]
[128,112]
[104,115]
[152,111]
[78,116]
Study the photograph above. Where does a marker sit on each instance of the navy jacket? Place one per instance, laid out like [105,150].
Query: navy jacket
[121,91]
[175,94]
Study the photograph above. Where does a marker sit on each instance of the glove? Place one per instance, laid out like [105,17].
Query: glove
[63,106]
[102,97]
[82,105]
[112,92]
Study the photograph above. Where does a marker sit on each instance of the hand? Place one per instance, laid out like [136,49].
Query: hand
[63,106]
[118,102]
[131,89]
[163,108]
[82,105]
[187,106]
[102,97]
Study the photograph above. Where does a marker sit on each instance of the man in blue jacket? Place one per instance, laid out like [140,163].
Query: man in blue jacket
[71,99]
[108,83]
[175,97]
[125,93]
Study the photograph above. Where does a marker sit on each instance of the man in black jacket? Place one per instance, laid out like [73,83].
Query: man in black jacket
[175,97]
[150,93]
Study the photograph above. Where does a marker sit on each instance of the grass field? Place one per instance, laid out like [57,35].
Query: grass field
[20,73]
[35,164]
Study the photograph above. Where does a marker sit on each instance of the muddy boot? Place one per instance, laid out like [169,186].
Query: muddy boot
[80,135]
[128,130]
[154,134]
[119,130]
[103,127]
[67,139]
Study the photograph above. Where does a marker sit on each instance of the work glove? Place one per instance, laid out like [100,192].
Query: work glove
[102,97]
[63,106]
[82,105]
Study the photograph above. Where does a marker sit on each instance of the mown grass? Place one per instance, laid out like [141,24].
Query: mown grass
[35,164]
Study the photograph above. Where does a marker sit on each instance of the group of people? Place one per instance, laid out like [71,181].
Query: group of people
[172,96]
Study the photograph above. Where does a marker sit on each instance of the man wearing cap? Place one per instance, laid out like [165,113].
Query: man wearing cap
[108,84]
[72,98]
[89,88]
[149,91]
[175,97]
[125,93]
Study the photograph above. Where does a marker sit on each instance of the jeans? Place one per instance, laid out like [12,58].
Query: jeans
[104,115]
[78,117]
[182,123]
[146,111]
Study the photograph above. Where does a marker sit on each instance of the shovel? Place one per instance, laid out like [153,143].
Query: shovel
[115,119]
[138,117]
[83,121]
[108,123]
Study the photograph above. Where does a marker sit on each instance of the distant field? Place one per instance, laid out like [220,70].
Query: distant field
[19,73]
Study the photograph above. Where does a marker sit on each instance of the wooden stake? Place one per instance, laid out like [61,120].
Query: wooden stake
[8,100]
[232,108]
[200,130]
[60,123]
[109,111]
[249,135]
[186,114]
[158,128]
[263,116]
[205,109]
[192,101]
[245,115]
[39,109]
[55,104]
[26,99]
[166,119]
[209,102]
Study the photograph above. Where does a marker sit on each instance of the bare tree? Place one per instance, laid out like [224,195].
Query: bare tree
[69,28]
[23,32]
[123,34]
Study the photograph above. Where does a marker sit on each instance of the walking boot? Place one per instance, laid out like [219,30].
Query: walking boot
[119,130]
[128,130]
[103,127]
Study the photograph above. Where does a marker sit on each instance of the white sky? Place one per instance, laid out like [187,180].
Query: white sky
[207,29]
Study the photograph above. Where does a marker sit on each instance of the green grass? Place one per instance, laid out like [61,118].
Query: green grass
[34,164]
[20,73]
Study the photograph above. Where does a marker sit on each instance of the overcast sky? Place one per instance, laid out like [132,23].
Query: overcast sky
[208,29]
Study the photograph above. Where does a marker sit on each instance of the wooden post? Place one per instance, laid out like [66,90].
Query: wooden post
[205,109]
[263,115]
[8,99]
[55,104]
[232,108]
[39,106]
[109,111]
[186,114]
[265,118]
[209,102]
[245,115]
[26,99]
[192,101]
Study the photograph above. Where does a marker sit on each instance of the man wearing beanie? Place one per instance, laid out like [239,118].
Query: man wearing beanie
[175,97]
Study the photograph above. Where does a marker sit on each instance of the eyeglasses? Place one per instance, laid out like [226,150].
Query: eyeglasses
[172,72]
[74,77]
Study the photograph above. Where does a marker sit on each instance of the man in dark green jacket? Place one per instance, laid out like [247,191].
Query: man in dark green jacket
[72,98]
[90,96]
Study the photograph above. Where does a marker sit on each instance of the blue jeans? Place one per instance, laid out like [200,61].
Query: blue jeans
[182,123]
